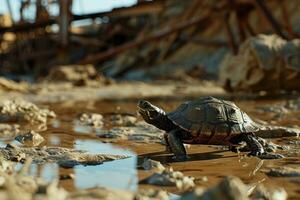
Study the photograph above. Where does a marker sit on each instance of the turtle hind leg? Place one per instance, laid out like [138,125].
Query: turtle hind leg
[257,149]
[168,148]
[254,145]
[176,145]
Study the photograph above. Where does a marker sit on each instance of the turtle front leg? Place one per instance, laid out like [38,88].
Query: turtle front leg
[176,145]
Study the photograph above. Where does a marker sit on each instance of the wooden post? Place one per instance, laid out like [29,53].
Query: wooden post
[230,35]
[270,18]
[10,11]
[64,21]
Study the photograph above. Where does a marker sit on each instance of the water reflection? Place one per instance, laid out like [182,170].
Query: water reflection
[48,172]
[2,144]
[117,174]
[120,174]
[55,123]
[79,128]
[54,140]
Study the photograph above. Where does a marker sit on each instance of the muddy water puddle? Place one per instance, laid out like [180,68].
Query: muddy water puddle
[208,164]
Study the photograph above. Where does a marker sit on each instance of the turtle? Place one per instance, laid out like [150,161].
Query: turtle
[207,120]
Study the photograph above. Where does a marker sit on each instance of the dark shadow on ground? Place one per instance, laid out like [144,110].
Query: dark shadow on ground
[165,158]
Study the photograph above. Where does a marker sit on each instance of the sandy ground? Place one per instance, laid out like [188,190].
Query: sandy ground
[207,165]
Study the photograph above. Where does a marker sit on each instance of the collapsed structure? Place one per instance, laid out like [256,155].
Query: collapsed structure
[149,40]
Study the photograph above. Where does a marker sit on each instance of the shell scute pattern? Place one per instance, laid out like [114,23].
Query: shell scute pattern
[212,117]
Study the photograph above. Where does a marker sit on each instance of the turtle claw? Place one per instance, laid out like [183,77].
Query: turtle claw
[257,153]
[180,158]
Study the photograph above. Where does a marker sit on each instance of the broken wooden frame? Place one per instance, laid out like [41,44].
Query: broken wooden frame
[239,9]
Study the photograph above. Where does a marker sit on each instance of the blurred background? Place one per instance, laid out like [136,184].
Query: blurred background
[245,45]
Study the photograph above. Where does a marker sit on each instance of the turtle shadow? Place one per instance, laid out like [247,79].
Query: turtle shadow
[165,158]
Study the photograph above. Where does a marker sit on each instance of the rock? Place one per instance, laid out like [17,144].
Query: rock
[142,132]
[168,177]
[53,191]
[149,164]
[101,193]
[293,104]
[66,176]
[63,156]
[91,119]
[151,194]
[6,166]
[264,62]
[72,73]
[284,171]
[12,110]
[123,120]
[230,188]
[269,131]
[19,185]
[9,85]
[8,131]
[30,139]
[194,194]
[261,192]
[78,75]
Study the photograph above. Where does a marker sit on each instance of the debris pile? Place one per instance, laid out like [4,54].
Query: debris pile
[14,110]
[149,40]
[264,62]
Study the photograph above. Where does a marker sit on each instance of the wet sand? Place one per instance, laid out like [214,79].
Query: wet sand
[204,161]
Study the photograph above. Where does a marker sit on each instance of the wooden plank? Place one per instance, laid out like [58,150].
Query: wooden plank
[145,8]
[269,17]
[99,57]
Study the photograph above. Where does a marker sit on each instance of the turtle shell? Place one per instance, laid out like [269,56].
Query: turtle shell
[211,120]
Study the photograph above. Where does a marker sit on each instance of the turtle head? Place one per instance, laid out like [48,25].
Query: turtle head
[149,111]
